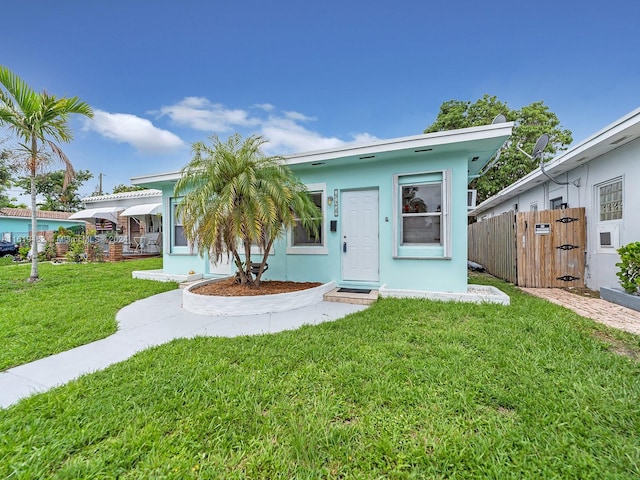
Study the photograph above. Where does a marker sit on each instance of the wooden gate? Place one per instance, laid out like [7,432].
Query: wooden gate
[551,246]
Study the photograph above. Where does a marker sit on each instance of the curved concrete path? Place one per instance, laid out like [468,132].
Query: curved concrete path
[150,322]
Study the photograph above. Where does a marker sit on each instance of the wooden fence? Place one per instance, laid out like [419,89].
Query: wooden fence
[492,244]
[543,249]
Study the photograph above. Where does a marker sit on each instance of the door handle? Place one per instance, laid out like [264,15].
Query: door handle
[344,247]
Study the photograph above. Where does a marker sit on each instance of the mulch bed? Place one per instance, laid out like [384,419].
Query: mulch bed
[228,288]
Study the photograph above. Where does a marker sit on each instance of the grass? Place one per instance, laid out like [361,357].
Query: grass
[405,389]
[71,305]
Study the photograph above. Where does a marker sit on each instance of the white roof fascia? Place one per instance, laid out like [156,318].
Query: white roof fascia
[155,177]
[582,148]
[402,143]
[150,192]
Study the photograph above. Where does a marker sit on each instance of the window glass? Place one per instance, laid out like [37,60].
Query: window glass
[611,201]
[300,237]
[555,203]
[178,239]
[421,212]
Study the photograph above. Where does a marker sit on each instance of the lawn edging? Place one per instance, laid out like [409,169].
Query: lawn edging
[474,294]
[620,297]
[250,305]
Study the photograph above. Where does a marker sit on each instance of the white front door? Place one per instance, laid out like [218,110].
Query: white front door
[360,236]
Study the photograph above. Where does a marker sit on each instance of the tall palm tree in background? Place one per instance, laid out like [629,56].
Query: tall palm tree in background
[235,196]
[38,120]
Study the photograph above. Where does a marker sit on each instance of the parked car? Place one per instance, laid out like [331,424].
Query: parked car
[8,248]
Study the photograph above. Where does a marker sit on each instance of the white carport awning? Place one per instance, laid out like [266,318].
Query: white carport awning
[107,213]
[145,209]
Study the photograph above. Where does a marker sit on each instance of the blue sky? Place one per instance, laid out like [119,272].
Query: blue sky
[162,74]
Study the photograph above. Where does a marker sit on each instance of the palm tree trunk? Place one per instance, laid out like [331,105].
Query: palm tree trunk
[34,224]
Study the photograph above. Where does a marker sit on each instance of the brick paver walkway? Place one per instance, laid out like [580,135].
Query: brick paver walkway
[595,308]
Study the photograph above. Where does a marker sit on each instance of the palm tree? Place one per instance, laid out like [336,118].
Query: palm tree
[235,196]
[38,120]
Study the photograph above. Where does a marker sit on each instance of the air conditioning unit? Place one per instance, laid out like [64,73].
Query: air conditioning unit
[608,238]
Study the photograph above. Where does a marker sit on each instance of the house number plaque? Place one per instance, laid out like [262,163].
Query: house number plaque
[543,228]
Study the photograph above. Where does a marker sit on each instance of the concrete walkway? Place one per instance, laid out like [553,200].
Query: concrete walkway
[146,323]
[160,319]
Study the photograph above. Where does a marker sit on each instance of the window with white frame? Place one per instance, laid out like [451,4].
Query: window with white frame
[610,200]
[555,203]
[177,231]
[421,214]
[533,207]
[304,242]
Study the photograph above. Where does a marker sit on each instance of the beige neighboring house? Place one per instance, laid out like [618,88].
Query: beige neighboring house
[136,217]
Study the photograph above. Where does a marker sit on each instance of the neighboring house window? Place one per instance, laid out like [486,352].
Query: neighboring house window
[421,215]
[177,231]
[610,195]
[472,196]
[555,203]
[533,207]
[303,242]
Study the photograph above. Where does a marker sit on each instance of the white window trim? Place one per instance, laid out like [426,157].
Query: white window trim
[308,250]
[597,199]
[445,219]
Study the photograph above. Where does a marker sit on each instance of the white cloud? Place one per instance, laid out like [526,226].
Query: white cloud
[136,131]
[283,130]
[286,136]
[298,116]
[267,107]
[200,114]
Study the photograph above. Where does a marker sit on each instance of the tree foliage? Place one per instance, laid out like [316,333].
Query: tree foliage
[530,122]
[39,121]
[235,196]
[127,188]
[50,185]
[5,179]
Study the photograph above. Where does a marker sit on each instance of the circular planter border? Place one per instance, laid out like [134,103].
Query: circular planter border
[250,305]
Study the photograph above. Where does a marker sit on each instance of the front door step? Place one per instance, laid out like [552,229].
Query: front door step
[356,298]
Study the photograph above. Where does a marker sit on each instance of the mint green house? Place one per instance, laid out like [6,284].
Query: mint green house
[394,215]
[15,223]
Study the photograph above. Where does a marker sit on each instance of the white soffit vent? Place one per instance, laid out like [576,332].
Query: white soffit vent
[620,140]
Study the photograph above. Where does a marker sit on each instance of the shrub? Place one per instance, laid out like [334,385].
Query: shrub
[23,251]
[629,266]
[48,253]
[76,252]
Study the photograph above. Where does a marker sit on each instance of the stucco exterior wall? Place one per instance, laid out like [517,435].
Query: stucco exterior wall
[397,273]
[14,227]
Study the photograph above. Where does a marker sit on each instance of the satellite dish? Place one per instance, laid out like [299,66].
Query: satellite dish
[541,144]
[500,118]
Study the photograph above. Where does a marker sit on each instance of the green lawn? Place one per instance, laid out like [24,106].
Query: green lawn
[71,305]
[405,389]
